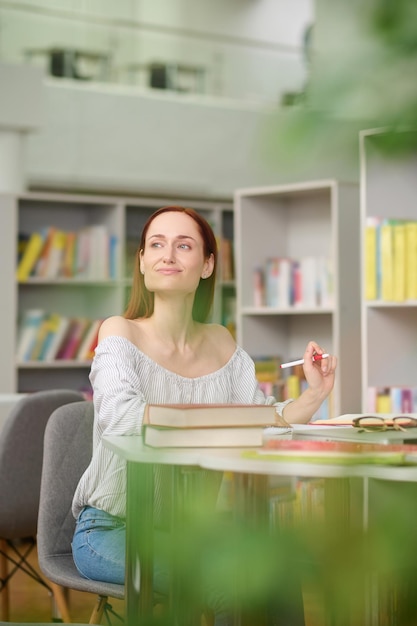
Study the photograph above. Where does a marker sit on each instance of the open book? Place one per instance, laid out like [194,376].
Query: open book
[208,425]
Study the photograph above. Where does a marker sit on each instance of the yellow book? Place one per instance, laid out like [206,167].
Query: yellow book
[371,281]
[68,262]
[41,336]
[53,323]
[399,261]
[387,266]
[411,260]
[293,386]
[383,401]
[30,256]
[54,262]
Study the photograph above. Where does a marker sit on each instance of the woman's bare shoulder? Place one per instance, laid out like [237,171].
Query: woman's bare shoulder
[116,325]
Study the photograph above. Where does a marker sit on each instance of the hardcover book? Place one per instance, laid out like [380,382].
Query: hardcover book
[207,425]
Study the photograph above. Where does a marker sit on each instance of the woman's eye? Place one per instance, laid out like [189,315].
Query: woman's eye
[184,246]
[156,244]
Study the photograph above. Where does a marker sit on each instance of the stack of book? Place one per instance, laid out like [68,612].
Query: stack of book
[207,425]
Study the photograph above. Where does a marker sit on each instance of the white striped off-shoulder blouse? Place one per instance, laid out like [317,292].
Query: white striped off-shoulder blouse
[124,379]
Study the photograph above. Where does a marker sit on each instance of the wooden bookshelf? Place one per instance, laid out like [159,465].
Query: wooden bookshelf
[92,294]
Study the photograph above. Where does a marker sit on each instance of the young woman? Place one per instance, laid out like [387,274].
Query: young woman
[163,351]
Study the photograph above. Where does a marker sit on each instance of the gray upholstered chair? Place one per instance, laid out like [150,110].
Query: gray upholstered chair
[67,452]
[21,450]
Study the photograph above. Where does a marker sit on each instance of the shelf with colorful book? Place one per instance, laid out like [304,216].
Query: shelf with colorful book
[297,268]
[389,276]
[79,259]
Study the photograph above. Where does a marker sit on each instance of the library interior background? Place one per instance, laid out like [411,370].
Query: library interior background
[290,124]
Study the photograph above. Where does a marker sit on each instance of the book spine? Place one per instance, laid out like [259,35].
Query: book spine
[411,261]
[258,287]
[399,266]
[41,264]
[113,257]
[284,285]
[89,343]
[371,283]
[272,282]
[98,252]
[383,400]
[387,275]
[226,259]
[68,262]
[30,256]
[32,319]
[55,338]
[293,386]
[54,261]
[74,339]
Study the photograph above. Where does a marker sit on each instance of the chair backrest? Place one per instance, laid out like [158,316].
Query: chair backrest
[21,452]
[68,447]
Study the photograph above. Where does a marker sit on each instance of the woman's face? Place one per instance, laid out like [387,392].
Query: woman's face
[173,258]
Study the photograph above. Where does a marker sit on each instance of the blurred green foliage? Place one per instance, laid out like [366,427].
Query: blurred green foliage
[362,76]
[355,553]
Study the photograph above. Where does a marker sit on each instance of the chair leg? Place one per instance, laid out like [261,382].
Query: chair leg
[4,593]
[98,610]
[60,598]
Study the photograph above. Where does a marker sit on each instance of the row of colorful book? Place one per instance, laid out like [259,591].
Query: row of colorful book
[283,282]
[50,253]
[48,337]
[390,259]
[398,399]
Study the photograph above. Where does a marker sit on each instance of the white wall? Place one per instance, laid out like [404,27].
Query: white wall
[123,138]
[251,49]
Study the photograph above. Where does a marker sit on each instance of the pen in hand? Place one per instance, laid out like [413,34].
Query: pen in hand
[316,357]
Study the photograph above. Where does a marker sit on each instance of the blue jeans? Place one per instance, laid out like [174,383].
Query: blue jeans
[99,546]
[98,549]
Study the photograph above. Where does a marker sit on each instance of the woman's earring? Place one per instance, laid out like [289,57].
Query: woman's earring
[142,271]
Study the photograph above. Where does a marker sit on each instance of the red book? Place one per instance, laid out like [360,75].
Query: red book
[73,338]
[89,343]
[335,452]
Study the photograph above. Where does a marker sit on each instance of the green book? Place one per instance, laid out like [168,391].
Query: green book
[334,452]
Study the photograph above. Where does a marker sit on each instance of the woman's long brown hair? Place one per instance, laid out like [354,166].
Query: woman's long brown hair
[141,301]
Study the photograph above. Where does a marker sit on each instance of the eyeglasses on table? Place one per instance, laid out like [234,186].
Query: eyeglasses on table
[371,423]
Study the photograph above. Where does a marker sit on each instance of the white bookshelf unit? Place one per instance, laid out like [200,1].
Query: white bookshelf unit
[124,218]
[389,329]
[309,219]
